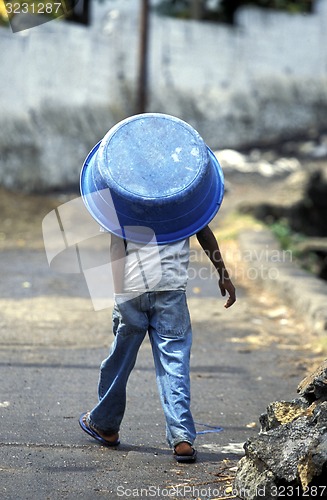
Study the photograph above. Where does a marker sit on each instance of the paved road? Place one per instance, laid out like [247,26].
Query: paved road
[52,342]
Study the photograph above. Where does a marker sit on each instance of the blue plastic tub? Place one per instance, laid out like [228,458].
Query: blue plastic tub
[152,171]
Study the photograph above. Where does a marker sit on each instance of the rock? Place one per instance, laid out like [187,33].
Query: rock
[253,479]
[231,159]
[264,164]
[313,150]
[318,245]
[307,148]
[316,148]
[287,165]
[280,413]
[320,151]
[290,453]
[314,386]
[317,188]
[307,214]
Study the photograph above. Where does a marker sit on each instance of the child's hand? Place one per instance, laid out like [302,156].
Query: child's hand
[226,285]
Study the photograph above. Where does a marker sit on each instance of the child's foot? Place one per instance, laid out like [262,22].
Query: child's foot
[184,452]
[102,437]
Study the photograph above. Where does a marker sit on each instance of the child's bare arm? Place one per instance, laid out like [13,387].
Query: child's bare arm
[209,244]
[117,257]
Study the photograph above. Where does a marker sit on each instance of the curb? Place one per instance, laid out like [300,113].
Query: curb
[276,271]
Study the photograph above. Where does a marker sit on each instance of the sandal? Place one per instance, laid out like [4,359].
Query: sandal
[92,432]
[185,458]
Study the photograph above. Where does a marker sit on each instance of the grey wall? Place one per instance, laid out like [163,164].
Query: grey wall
[63,86]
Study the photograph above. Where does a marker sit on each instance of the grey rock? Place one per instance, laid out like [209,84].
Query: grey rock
[291,449]
[263,164]
[253,479]
[306,215]
[314,386]
[281,412]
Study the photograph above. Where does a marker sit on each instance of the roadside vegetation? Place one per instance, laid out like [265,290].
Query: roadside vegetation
[235,221]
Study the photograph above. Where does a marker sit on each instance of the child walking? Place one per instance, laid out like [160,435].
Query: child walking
[152,174]
[160,311]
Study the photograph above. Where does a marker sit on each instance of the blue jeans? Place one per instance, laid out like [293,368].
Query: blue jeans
[165,316]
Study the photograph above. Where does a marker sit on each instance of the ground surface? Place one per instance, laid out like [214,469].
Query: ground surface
[52,342]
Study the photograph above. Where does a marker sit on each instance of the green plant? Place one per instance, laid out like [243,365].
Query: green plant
[292,241]
[288,239]
[282,232]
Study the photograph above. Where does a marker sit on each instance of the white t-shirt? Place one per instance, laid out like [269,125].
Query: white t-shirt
[156,267]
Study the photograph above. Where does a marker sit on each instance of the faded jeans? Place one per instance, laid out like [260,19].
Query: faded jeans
[165,316]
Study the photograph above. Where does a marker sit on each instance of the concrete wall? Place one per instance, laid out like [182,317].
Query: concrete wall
[63,86]
[262,81]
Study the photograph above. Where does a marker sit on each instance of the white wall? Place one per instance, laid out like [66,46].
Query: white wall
[63,86]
